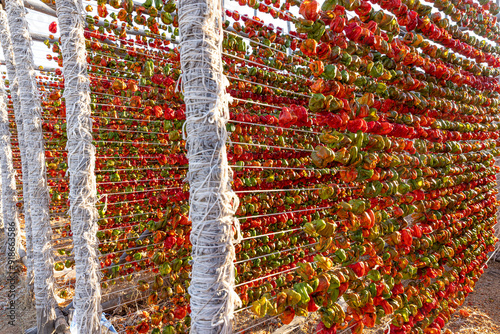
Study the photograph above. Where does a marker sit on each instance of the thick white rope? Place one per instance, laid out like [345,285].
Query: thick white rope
[9,191]
[37,178]
[81,166]
[212,202]
[10,63]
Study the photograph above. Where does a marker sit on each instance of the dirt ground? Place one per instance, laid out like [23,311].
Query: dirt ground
[24,307]
[480,313]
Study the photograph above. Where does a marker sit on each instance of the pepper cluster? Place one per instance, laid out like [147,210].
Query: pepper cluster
[363,145]
[133,67]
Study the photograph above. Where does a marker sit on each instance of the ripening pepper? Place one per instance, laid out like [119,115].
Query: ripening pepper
[288,315]
[304,289]
[358,206]
[374,275]
[281,301]
[148,69]
[317,30]
[259,307]
[324,244]
[308,47]
[326,192]
[328,230]
[170,6]
[323,282]
[333,103]
[323,262]
[330,72]
[342,156]
[317,68]
[166,18]
[128,5]
[293,297]
[305,270]
[309,9]
[327,316]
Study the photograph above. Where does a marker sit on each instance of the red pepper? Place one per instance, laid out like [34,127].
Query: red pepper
[358,268]
[311,306]
[53,27]
[286,118]
[309,9]
[357,125]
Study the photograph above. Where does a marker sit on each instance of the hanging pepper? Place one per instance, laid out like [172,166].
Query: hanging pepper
[148,69]
[305,270]
[170,6]
[317,68]
[317,102]
[288,315]
[304,289]
[323,51]
[337,25]
[293,297]
[309,9]
[330,72]
[308,47]
[323,262]
[259,307]
[317,30]
[128,5]
[166,18]
[327,316]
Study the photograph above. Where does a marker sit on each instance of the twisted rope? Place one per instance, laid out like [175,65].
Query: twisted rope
[212,202]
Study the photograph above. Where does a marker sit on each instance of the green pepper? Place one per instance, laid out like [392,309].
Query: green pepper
[381,88]
[364,174]
[166,18]
[345,59]
[373,290]
[327,316]
[176,264]
[330,72]
[376,70]
[304,290]
[360,81]
[334,283]
[404,312]
[129,6]
[293,297]
[328,5]
[317,102]
[334,103]
[370,190]
[170,6]
[374,275]
[317,30]
[148,69]
[339,256]
[314,284]
[358,206]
